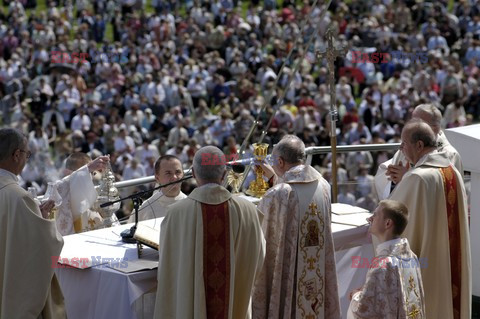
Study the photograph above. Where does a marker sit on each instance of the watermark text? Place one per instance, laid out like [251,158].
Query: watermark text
[86,262]
[385,57]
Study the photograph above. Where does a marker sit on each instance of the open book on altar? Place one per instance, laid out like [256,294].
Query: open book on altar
[148,235]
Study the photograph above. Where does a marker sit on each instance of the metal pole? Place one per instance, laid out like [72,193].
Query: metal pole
[331,54]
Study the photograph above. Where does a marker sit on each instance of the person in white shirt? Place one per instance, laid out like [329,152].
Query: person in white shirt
[168,168]
[81,121]
[145,151]
[134,116]
[133,170]
[150,89]
[124,143]
[178,134]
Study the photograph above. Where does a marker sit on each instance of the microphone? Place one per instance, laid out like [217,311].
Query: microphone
[247,161]
[142,193]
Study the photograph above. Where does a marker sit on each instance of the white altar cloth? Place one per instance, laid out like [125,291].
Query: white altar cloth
[101,292]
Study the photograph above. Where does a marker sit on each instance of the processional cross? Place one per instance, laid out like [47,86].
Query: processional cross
[331,53]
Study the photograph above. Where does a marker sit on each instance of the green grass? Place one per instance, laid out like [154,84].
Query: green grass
[109,32]
[148,7]
[450,5]
[41,6]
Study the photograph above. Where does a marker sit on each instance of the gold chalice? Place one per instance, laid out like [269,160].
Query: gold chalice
[259,186]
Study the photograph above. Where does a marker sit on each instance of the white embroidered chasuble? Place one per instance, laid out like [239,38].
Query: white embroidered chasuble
[310,274]
[393,288]
[298,278]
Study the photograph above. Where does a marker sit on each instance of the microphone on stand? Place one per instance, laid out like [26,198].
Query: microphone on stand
[127,235]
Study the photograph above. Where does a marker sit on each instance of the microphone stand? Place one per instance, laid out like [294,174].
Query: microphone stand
[127,235]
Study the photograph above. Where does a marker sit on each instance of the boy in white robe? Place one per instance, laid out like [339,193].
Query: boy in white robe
[393,288]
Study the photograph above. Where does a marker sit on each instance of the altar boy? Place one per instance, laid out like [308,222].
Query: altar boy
[393,288]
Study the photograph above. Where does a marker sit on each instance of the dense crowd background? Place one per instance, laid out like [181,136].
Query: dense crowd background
[195,73]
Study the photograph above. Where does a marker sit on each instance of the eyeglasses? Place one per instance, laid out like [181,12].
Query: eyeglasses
[29,154]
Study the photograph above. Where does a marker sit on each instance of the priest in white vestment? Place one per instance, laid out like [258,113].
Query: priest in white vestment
[211,249]
[393,288]
[434,193]
[396,167]
[78,195]
[28,242]
[298,279]
[168,168]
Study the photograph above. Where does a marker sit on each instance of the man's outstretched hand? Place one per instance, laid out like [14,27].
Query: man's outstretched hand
[99,164]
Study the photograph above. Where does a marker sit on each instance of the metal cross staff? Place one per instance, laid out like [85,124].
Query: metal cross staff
[331,53]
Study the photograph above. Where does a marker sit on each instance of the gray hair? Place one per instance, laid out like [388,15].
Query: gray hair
[291,148]
[209,164]
[434,114]
[10,141]
[421,131]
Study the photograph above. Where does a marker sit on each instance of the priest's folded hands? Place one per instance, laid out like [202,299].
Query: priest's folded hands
[396,172]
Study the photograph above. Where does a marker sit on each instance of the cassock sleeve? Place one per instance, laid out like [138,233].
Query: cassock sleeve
[380,295]
[82,191]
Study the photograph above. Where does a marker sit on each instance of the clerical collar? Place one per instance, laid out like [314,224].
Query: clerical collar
[422,159]
[385,246]
[4,172]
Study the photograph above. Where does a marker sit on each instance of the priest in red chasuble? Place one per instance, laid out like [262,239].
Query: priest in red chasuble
[211,249]
[298,279]
[434,193]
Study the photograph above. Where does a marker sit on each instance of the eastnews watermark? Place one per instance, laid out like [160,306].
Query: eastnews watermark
[386,57]
[82,57]
[381,262]
[85,262]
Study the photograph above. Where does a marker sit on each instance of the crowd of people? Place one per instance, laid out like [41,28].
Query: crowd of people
[157,90]
[198,73]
